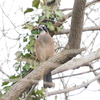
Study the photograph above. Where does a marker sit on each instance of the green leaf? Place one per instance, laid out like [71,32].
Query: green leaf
[5,83]
[16,66]
[30,45]
[6,88]
[29,26]
[18,54]
[35,32]
[50,25]
[26,55]
[14,77]
[50,0]
[26,66]
[28,10]
[47,11]
[59,28]
[59,14]
[25,39]
[35,3]
[48,14]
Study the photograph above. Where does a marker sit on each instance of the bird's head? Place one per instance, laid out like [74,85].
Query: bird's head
[42,28]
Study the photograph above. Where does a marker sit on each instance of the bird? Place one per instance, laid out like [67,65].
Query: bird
[44,50]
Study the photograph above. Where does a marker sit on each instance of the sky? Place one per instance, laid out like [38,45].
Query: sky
[14,10]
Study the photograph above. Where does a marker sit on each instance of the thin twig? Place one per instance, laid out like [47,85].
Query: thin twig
[30,92]
[4,73]
[9,20]
[84,84]
[91,70]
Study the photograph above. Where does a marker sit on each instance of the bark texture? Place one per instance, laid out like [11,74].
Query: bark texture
[76,24]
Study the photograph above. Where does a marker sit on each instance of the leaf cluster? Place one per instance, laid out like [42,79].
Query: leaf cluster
[22,67]
[47,16]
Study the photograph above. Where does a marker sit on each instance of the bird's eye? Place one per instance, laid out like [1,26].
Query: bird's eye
[36,36]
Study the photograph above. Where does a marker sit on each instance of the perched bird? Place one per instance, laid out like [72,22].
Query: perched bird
[44,49]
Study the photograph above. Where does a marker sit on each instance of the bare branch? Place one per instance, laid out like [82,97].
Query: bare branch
[4,73]
[92,2]
[91,70]
[84,84]
[66,9]
[77,62]
[9,20]
[88,4]
[60,22]
[92,28]
[95,73]
[30,92]
[17,89]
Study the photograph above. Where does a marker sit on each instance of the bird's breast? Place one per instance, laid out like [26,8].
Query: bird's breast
[44,47]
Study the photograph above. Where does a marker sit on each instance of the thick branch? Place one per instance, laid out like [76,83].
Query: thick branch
[17,89]
[84,84]
[75,63]
[59,57]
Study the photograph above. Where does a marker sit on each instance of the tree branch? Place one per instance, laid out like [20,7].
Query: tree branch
[30,92]
[88,4]
[84,84]
[91,70]
[92,28]
[4,73]
[77,62]
[76,24]
[17,89]
[60,22]
[9,20]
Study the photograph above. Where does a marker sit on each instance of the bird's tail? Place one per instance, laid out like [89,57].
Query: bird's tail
[47,78]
